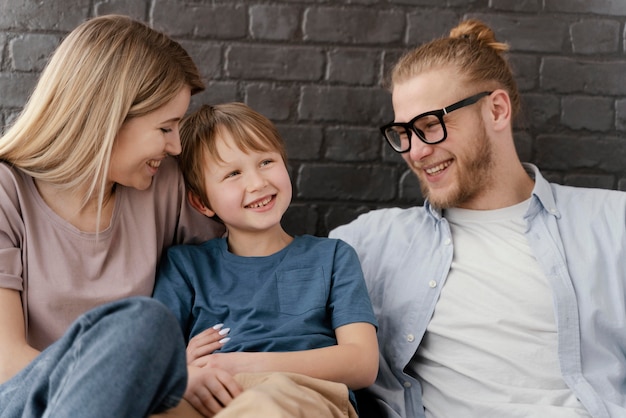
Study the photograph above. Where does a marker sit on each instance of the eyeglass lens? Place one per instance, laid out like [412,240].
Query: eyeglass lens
[429,129]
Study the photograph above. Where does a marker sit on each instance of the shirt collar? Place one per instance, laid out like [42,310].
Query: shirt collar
[543,198]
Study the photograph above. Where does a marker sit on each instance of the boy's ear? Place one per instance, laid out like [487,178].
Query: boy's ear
[197,204]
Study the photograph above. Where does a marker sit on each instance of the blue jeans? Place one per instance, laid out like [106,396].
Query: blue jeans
[122,359]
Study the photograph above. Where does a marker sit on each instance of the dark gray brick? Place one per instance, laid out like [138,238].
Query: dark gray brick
[3,46]
[15,88]
[531,33]
[222,21]
[352,105]
[539,111]
[353,25]
[345,183]
[217,92]
[39,15]
[260,62]
[424,25]
[352,144]
[583,76]
[303,142]
[300,219]
[526,70]
[353,66]
[620,114]
[595,36]
[207,56]
[274,22]
[517,5]
[597,181]
[134,9]
[523,145]
[560,152]
[31,52]
[275,102]
[341,214]
[608,7]
[584,112]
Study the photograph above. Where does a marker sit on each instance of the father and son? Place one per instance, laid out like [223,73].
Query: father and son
[502,296]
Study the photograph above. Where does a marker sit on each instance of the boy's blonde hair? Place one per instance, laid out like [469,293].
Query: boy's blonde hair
[199,131]
[106,71]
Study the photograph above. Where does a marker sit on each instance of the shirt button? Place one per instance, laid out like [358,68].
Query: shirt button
[407,384]
[432,283]
[447,241]
[410,338]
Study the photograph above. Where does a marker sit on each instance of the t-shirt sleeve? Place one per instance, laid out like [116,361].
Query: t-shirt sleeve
[11,232]
[349,299]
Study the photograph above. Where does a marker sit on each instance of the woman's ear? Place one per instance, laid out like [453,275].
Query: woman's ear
[500,109]
[196,202]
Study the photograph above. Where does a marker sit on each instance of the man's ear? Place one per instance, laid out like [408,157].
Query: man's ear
[500,109]
[197,204]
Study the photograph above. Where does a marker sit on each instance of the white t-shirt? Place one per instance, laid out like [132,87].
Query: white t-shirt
[63,272]
[490,349]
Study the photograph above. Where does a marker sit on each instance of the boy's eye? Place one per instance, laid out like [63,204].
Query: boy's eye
[232,174]
[265,162]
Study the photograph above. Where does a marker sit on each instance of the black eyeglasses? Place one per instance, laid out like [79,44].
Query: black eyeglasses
[429,127]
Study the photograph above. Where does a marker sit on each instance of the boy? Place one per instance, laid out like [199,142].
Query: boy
[294,305]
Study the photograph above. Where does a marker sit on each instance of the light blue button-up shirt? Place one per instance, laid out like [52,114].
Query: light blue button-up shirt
[578,236]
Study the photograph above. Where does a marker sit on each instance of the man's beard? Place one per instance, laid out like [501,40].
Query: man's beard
[472,178]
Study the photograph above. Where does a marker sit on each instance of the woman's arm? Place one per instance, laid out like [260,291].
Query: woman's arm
[15,353]
[353,361]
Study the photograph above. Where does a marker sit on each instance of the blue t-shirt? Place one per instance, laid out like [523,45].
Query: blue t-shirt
[291,300]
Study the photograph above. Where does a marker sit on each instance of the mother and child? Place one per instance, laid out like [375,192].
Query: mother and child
[90,203]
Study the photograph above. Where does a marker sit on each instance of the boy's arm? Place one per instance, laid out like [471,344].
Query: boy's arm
[353,361]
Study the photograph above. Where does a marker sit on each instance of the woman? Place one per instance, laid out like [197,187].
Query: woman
[89,199]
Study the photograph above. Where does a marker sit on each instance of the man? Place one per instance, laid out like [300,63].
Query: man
[504,295]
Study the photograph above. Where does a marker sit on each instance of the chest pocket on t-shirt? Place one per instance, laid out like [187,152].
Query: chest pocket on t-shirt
[301,290]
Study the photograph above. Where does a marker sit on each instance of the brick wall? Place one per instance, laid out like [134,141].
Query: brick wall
[316,68]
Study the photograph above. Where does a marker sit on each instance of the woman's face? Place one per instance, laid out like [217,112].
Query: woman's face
[143,142]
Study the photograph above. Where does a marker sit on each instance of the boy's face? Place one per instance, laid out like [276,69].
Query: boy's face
[249,192]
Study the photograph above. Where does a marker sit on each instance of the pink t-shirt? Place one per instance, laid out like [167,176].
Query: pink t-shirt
[63,272]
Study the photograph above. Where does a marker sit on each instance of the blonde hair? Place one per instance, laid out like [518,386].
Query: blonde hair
[199,132]
[106,71]
[472,50]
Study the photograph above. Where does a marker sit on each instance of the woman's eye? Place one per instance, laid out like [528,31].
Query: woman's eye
[166,130]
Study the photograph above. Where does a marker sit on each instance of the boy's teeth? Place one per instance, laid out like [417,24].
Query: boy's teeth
[261,203]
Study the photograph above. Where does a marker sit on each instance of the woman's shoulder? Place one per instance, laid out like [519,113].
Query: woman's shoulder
[13,182]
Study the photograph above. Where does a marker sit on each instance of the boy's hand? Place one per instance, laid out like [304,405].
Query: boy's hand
[206,343]
[210,390]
